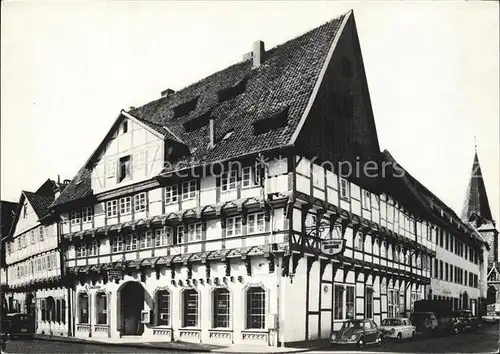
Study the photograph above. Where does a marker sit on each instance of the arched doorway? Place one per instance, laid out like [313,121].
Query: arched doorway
[491,295]
[131,306]
[51,309]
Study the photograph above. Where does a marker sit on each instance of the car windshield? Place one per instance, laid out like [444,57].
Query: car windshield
[391,322]
[351,324]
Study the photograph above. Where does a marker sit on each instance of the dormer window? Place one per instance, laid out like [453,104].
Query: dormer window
[271,122]
[233,91]
[124,127]
[185,108]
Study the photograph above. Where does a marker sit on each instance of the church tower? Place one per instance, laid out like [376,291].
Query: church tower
[477,211]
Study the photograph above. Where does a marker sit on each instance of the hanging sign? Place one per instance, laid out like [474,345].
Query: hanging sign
[332,246]
[115,274]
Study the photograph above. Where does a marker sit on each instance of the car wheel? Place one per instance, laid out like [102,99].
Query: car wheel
[361,343]
[455,330]
[379,340]
[400,336]
[413,335]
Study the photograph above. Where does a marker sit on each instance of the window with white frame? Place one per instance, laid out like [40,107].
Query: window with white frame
[256,223]
[383,250]
[40,230]
[344,188]
[250,177]
[140,202]
[256,308]
[24,241]
[222,308]
[228,180]
[111,208]
[125,205]
[87,213]
[146,240]
[171,194]
[180,234]
[54,260]
[163,308]
[358,241]
[344,302]
[234,226]
[191,308]
[118,244]
[367,200]
[163,236]
[189,189]
[80,250]
[131,243]
[194,232]
[74,217]
[101,308]
[92,248]
[393,303]
[83,307]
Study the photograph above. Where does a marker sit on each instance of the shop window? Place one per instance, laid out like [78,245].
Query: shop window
[221,308]
[63,311]
[191,308]
[162,308]
[83,308]
[58,311]
[102,308]
[43,307]
[393,303]
[256,308]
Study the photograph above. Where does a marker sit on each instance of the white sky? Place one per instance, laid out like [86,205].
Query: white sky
[68,68]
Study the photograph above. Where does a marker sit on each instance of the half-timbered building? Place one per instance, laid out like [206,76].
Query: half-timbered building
[34,262]
[224,212]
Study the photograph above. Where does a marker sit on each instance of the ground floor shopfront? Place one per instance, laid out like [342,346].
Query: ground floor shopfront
[48,305]
[261,299]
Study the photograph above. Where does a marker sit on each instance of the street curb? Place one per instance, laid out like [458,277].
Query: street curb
[152,346]
[131,345]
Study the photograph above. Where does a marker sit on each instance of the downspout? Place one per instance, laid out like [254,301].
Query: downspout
[277,265]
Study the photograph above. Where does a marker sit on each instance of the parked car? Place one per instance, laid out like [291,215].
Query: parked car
[425,323]
[398,328]
[16,325]
[464,320]
[360,332]
[491,317]
[442,311]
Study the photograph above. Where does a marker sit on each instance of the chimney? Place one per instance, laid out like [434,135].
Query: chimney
[167,92]
[212,133]
[258,52]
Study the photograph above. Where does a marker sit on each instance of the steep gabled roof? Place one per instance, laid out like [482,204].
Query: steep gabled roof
[40,203]
[476,201]
[285,80]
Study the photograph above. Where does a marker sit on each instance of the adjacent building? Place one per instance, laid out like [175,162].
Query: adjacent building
[7,214]
[34,261]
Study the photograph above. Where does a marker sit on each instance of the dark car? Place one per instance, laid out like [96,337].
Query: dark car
[358,332]
[16,325]
[425,323]
[442,311]
[465,320]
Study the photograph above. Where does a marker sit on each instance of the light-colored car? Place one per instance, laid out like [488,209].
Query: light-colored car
[357,332]
[399,328]
[491,317]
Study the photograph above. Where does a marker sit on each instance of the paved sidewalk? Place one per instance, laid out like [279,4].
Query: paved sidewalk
[183,346]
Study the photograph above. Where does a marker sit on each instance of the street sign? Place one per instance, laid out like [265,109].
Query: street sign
[332,246]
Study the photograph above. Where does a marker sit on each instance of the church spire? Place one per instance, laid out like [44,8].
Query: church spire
[476,201]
